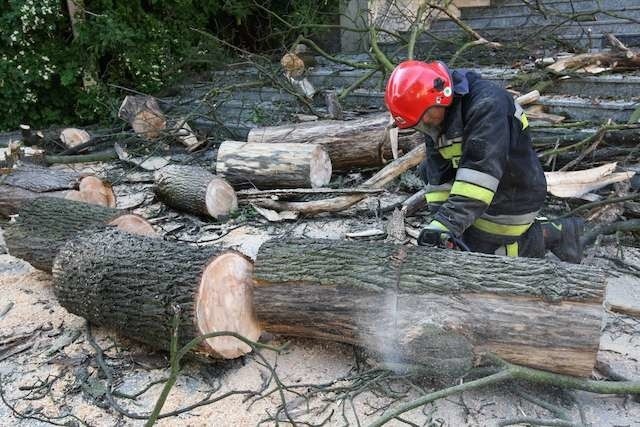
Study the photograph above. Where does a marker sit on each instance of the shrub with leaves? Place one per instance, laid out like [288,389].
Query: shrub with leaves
[49,76]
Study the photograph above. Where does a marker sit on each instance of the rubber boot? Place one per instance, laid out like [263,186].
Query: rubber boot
[562,238]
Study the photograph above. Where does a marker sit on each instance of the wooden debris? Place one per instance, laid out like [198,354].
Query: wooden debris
[336,204]
[186,136]
[435,308]
[94,191]
[150,163]
[274,216]
[363,142]
[73,137]
[144,116]
[195,190]
[45,224]
[578,183]
[112,279]
[528,98]
[536,112]
[623,296]
[281,165]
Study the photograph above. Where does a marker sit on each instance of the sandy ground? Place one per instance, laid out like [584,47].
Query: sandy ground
[48,353]
[48,367]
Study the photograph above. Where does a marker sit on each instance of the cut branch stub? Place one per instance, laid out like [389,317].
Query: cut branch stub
[432,307]
[144,115]
[112,279]
[195,190]
[281,165]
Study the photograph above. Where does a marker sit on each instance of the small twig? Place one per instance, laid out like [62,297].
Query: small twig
[629,225]
[533,421]
[608,201]
[598,137]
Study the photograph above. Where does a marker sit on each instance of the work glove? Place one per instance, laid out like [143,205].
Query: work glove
[434,234]
[437,235]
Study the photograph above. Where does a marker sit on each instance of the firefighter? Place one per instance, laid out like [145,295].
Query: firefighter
[485,183]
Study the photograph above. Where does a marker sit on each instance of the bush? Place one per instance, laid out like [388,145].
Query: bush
[49,76]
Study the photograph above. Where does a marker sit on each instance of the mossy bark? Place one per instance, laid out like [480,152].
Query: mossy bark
[45,224]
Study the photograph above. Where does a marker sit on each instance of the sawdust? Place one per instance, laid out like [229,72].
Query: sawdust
[305,362]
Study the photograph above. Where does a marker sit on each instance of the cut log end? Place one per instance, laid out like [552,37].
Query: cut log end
[220,198]
[134,224]
[225,303]
[93,191]
[320,171]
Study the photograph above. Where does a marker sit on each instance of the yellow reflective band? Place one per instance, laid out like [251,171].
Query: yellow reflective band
[437,196]
[450,151]
[438,225]
[525,121]
[500,229]
[472,191]
[512,249]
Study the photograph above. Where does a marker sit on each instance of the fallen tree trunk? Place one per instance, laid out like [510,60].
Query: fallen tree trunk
[29,182]
[13,198]
[274,165]
[432,307]
[112,279]
[195,190]
[351,144]
[45,224]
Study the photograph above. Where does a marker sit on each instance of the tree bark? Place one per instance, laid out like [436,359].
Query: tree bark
[41,179]
[195,190]
[29,182]
[113,279]
[351,144]
[45,224]
[274,165]
[13,198]
[436,308]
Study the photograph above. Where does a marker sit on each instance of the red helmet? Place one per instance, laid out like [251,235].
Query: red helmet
[414,87]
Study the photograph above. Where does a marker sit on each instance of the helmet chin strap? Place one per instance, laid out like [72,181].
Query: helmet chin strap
[432,131]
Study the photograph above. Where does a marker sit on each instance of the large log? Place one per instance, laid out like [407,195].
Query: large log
[28,182]
[45,224]
[134,284]
[195,190]
[267,166]
[351,144]
[432,307]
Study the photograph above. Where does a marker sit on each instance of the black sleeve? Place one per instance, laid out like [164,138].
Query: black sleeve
[485,151]
[438,174]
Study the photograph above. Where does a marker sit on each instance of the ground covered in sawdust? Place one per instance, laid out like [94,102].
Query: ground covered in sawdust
[51,373]
[49,369]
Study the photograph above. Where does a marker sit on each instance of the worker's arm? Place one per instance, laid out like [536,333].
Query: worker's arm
[438,174]
[484,156]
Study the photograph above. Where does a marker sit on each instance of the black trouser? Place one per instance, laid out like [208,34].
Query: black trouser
[530,244]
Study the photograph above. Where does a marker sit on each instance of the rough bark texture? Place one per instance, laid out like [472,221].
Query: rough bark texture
[267,166]
[41,179]
[13,198]
[433,307]
[132,284]
[45,224]
[195,190]
[350,144]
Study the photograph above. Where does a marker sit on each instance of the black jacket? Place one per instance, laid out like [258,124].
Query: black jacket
[482,170]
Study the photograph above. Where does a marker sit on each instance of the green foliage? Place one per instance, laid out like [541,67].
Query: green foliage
[49,76]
